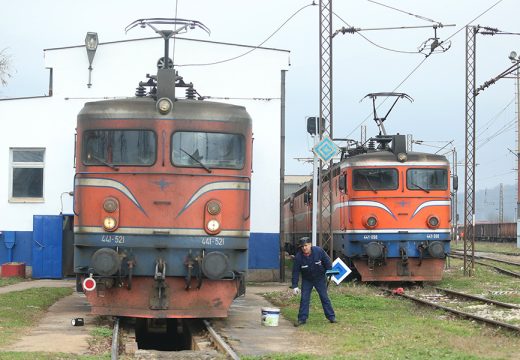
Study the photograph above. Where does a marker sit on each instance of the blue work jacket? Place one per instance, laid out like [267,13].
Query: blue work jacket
[311,267]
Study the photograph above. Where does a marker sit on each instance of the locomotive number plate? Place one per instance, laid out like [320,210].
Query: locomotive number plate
[113,239]
[216,241]
[433,236]
[370,237]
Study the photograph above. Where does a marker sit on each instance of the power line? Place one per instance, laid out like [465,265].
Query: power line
[420,64]
[256,47]
[405,12]
[485,126]
[503,129]
[373,43]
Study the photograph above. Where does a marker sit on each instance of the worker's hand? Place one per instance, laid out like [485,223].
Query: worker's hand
[296,291]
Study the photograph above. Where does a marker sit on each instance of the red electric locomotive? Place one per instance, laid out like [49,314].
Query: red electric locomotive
[162,184]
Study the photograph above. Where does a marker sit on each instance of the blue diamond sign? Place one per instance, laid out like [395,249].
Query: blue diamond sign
[326,149]
[343,270]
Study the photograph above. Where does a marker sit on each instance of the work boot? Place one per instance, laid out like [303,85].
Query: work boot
[298,323]
[333,320]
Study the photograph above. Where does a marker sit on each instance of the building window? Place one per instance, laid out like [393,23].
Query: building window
[26,174]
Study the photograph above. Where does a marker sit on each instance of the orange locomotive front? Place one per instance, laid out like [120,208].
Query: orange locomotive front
[162,207]
[391,214]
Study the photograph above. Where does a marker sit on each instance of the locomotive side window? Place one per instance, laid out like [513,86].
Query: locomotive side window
[119,147]
[375,179]
[427,179]
[208,150]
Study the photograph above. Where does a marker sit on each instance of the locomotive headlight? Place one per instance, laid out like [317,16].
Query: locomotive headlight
[433,222]
[213,225]
[402,157]
[109,223]
[370,222]
[213,207]
[110,205]
[164,105]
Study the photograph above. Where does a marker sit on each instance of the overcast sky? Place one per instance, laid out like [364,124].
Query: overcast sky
[437,115]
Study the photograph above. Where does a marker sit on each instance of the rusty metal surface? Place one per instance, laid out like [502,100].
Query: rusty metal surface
[430,270]
[211,300]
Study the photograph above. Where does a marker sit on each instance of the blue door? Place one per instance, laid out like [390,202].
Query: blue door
[46,247]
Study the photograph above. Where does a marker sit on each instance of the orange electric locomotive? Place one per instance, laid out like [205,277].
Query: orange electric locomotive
[161,224]
[391,216]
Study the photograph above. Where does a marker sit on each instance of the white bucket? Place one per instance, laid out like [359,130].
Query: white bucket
[270,316]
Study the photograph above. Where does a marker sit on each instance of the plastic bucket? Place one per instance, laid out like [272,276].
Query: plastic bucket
[270,316]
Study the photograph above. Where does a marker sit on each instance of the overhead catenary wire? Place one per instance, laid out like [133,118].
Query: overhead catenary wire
[506,127]
[486,126]
[372,42]
[405,12]
[422,62]
[256,47]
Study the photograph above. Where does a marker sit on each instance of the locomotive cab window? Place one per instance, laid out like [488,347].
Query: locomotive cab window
[427,179]
[373,179]
[119,147]
[208,150]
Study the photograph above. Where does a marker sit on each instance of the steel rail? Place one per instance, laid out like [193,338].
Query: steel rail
[459,313]
[219,342]
[115,340]
[493,259]
[479,298]
[499,269]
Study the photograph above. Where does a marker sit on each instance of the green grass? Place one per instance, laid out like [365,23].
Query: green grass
[373,326]
[10,281]
[20,310]
[488,246]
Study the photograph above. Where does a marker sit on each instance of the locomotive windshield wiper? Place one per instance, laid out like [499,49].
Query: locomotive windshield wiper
[369,183]
[420,187]
[196,160]
[92,156]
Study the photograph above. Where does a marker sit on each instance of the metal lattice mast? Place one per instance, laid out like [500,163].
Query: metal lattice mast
[326,240]
[501,204]
[469,186]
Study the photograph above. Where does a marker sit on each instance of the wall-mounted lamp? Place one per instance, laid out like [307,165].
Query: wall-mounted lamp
[91,44]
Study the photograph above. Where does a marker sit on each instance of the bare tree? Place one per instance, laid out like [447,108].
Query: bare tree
[5,63]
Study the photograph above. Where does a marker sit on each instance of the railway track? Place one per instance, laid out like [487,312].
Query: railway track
[200,339]
[497,268]
[443,299]
[483,257]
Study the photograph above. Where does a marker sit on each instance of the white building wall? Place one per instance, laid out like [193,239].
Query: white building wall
[118,67]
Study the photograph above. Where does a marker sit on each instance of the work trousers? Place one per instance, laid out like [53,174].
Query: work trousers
[321,287]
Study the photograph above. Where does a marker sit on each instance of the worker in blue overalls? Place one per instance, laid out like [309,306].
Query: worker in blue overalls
[312,262]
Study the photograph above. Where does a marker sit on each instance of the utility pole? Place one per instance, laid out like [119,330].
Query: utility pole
[513,57]
[469,185]
[326,239]
[501,204]
[471,94]
[455,213]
